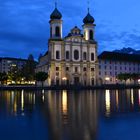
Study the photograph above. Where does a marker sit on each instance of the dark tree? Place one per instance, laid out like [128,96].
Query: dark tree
[41,77]
[28,70]
[3,77]
[15,75]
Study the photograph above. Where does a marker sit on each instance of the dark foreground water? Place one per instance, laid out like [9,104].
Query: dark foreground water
[70,115]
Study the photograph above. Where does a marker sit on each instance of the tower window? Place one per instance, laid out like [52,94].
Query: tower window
[57,31]
[92,56]
[57,55]
[91,35]
[84,56]
[76,54]
[67,55]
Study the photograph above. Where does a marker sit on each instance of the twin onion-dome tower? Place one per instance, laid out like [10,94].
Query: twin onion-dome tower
[56,25]
[70,60]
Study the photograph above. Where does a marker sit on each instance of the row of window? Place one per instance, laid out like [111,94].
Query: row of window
[109,73]
[120,68]
[76,69]
[76,55]
[118,62]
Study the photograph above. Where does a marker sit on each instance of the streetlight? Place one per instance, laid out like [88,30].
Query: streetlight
[107,79]
[64,80]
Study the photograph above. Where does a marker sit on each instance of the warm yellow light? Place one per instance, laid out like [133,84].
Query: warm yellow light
[64,78]
[107,102]
[22,100]
[117,99]
[107,78]
[64,102]
[139,97]
[132,97]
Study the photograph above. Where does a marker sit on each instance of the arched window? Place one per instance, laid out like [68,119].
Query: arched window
[91,35]
[57,55]
[67,55]
[76,54]
[92,56]
[84,56]
[57,31]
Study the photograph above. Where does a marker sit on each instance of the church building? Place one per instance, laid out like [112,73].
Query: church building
[70,60]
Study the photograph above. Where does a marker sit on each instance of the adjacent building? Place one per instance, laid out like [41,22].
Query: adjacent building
[7,63]
[71,59]
[112,63]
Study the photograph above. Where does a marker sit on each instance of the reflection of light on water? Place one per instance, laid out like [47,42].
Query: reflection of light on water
[132,97]
[107,102]
[43,91]
[15,103]
[64,102]
[34,99]
[12,97]
[22,100]
[30,98]
[139,97]
[117,99]
[43,98]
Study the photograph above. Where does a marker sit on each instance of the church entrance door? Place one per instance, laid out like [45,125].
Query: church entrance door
[76,80]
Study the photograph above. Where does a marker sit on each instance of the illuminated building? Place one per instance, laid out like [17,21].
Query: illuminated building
[112,63]
[7,63]
[71,59]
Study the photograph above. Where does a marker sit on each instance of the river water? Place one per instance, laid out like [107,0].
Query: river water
[70,115]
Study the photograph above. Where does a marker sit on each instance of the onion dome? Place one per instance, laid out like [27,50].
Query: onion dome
[88,19]
[56,14]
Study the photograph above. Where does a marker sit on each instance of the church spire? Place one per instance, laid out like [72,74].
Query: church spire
[88,19]
[55,4]
[56,14]
[88,5]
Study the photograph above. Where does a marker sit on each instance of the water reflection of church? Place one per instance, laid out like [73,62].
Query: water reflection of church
[69,115]
[73,116]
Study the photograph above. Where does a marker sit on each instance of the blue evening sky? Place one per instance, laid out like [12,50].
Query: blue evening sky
[24,26]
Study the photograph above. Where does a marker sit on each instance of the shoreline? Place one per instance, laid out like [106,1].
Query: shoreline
[72,87]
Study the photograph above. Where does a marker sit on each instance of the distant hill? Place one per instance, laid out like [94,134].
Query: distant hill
[128,51]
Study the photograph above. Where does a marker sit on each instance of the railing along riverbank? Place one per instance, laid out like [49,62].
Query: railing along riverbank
[70,87]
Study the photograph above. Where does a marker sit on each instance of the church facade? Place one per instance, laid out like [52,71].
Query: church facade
[70,60]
